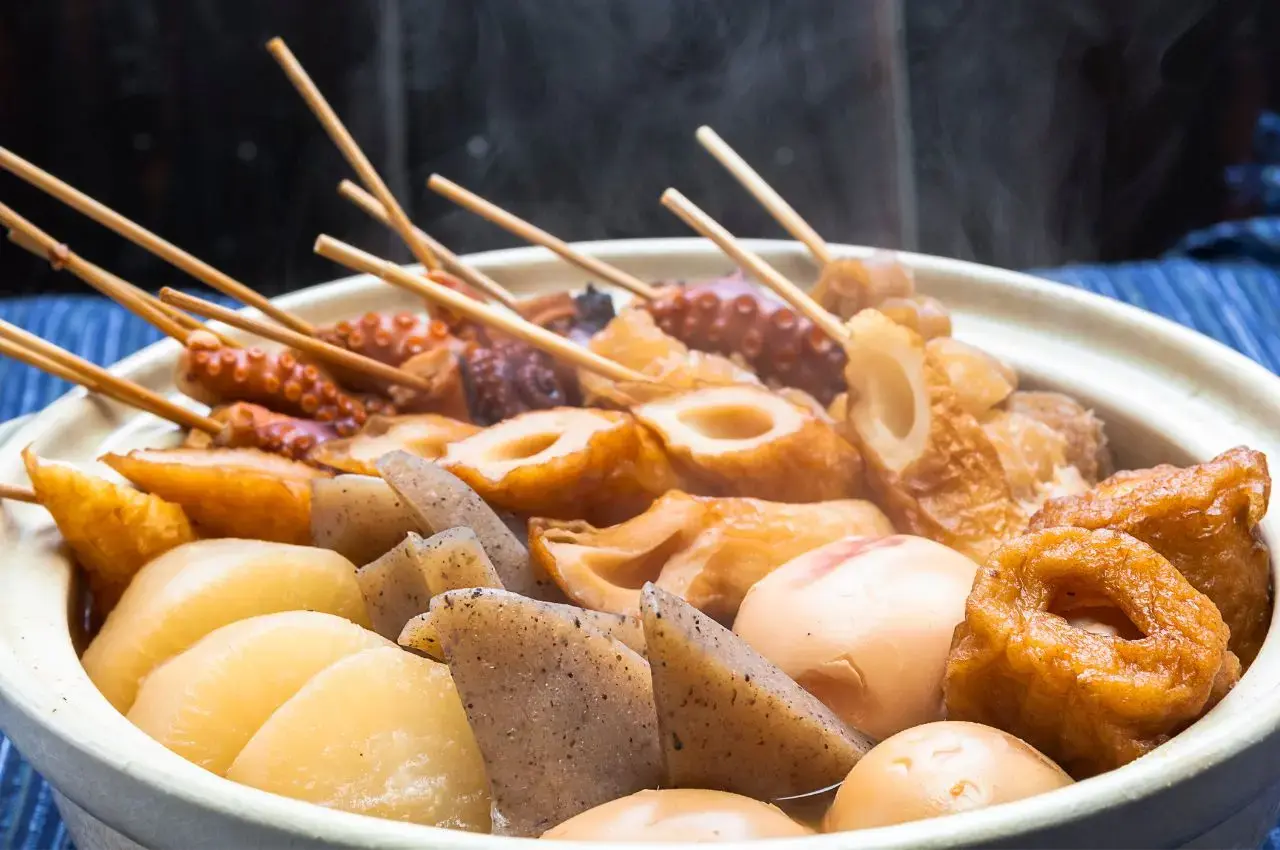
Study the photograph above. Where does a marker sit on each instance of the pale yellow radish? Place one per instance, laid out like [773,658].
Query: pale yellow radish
[189,591]
[207,702]
[379,733]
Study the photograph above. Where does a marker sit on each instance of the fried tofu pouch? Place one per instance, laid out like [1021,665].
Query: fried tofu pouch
[707,551]
[932,467]
[1204,520]
[1030,659]
[241,493]
[113,530]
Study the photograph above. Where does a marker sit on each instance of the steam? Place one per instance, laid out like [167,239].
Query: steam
[576,114]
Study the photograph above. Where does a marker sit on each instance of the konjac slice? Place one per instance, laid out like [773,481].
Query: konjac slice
[207,702]
[228,492]
[380,733]
[732,721]
[441,500]
[563,713]
[747,441]
[114,530]
[935,471]
[568,463]
[189,591]
[358,516]
[394,587]
[421,633]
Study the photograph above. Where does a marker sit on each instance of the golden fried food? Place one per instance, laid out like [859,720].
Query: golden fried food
[980,380]
[747,441]
[847,287]
[113,530]
[425,435]
[567,463]
[921,313]
[634,340]
[1034,457]
[241,493]
[1087,448]
[707,551]
[933,468]
[1204,520]
[1088,700]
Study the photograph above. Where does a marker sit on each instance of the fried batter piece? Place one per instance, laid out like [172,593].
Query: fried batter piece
[1204,520]
[634,340]
[933,468]
[447,394]
[980,380]
[847,287]
[426,435]
[1088,700]
[707,551]
[567,463]
[923,314]
[746,441]
[113,530]
[241,493]
[1087,448]
[1034,458]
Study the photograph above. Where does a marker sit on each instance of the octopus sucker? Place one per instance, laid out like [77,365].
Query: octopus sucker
[731,316]
[1023,661]
[216,375]
[390,338]
[251,426]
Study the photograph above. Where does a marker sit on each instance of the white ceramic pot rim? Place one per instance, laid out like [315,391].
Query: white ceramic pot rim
[1196,751]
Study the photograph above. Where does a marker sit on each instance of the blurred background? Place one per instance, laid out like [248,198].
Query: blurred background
[1015,132]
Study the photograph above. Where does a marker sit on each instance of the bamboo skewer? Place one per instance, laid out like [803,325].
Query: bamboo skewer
[768,197]
[18,494]
[351,150]
[508,323]
[50,367]
[117,289]
[705,225]
[145,239]
[284,336]
[168,320]
[536,235]
[451,262]
[36,352]
[30,238]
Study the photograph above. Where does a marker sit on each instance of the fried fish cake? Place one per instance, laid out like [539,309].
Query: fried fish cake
[1204,520]
[1030,659]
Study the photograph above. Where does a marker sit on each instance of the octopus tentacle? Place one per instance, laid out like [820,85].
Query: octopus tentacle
[730,317]
[216,374]
[252,426]
[509,377]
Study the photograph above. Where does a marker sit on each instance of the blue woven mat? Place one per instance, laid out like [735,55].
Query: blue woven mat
[1223,282]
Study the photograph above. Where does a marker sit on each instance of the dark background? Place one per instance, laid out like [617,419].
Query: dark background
[1038,131]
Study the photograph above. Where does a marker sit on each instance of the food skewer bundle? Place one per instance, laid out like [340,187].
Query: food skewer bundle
[739,562]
